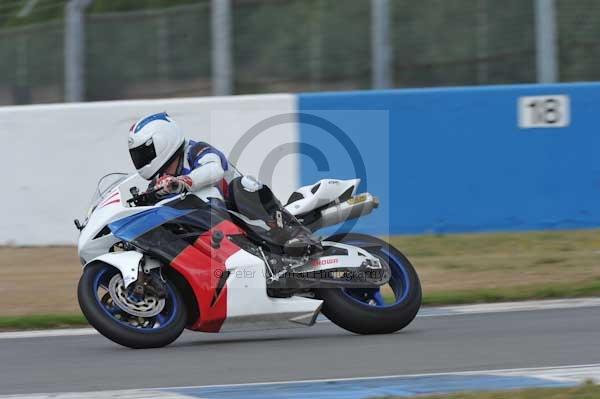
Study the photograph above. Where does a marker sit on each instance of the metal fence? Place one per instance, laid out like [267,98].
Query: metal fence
[578,25]
[148,53]
[463,42]
[31,64]
[263,46]
[301,45]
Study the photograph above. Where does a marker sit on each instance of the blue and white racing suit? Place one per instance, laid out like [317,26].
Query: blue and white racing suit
[205,166]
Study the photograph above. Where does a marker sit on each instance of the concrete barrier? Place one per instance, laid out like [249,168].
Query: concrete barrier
[441,160]
[53,155]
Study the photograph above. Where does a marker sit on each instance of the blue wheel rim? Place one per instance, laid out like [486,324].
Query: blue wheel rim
[161,321]
[399,282]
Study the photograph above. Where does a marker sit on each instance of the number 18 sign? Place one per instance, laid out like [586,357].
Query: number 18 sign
[544,111]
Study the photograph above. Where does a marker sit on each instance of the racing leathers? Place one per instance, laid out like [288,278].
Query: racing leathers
[201,166]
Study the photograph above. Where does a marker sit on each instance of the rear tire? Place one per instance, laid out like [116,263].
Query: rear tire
[351,314]
[118,331]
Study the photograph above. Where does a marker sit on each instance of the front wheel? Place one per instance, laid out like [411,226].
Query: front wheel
[382,310]
[128,319]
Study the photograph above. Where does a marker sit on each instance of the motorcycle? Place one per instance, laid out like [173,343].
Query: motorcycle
[210,262]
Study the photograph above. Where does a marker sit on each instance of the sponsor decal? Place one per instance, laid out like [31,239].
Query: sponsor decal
[357,199]
[113,199]
[324,261]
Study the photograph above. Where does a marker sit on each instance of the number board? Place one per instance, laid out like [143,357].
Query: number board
[544,111]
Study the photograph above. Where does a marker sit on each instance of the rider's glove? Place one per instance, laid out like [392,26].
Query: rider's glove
[166,185]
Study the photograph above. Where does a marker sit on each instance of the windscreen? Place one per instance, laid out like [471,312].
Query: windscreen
[104,186]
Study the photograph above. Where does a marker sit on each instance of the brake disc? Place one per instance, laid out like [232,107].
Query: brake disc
[149,306]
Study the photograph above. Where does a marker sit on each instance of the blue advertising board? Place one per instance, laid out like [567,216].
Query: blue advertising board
[463,159]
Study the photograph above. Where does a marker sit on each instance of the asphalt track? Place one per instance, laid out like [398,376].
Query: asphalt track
[443,343]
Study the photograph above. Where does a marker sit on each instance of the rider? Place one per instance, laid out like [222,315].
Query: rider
[174,164]
[161,153]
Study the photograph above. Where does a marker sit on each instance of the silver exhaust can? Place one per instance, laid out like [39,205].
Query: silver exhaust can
[355,207]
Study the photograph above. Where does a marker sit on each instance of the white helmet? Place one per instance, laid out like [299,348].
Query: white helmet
[154,142]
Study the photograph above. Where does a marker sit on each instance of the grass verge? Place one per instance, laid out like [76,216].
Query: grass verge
[41,322]
[454,269]
[521,293]
[585,391]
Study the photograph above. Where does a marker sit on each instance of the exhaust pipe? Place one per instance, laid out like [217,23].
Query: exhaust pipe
[353,208]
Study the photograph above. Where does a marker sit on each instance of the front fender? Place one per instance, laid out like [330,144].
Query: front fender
[127,262]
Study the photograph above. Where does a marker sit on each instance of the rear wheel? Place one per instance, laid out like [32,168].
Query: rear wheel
[386,309]
[130,320]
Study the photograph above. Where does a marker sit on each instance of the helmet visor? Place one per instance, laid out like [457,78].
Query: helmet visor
[142,155]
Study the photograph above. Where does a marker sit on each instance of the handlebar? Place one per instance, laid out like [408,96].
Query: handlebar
[146,198]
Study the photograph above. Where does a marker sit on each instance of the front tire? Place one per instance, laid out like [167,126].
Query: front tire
[365,311]
[136,332]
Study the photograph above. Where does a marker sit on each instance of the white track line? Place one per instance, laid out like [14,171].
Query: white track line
[525,306]
[442,311]
[65,332]
[125,394]
[573,374]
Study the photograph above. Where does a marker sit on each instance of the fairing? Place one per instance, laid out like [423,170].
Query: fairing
[166,230]
[180,233]
[308,198]
[229,283]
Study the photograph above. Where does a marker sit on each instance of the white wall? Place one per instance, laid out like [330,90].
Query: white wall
[53,155]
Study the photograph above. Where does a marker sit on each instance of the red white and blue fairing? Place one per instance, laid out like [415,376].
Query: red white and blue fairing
[228,282]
